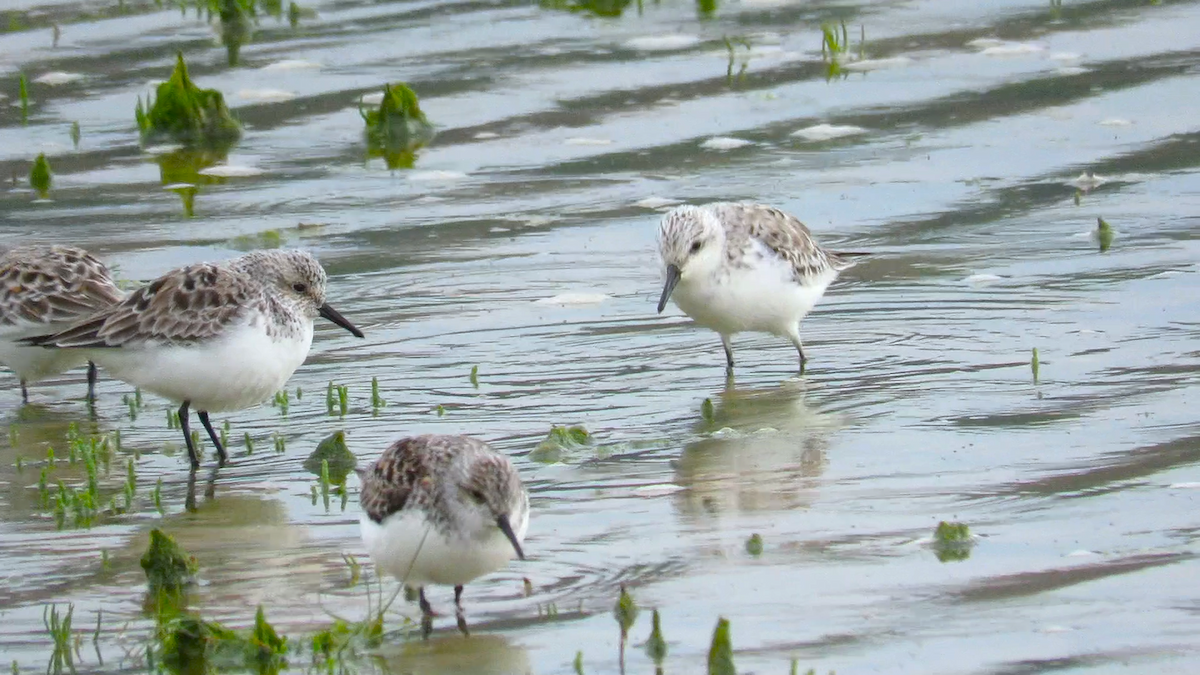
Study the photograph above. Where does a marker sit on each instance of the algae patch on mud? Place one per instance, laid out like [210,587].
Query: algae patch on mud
[185,113]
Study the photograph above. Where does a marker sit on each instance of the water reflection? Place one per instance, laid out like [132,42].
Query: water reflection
[766,452]
[180,170]
[452,654]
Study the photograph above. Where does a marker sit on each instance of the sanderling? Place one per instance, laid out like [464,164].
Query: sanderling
[737,267]
[45,288]
[213,336]
[442,510]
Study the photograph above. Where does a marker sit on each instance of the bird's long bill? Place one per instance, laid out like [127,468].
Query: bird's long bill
[672,279]
[506,528]
[336,317]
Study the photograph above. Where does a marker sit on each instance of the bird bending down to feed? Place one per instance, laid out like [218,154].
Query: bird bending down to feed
[211,336]
[45,288]
[736,267]
[442,510]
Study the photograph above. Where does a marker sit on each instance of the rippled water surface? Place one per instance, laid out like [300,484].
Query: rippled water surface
[521,241]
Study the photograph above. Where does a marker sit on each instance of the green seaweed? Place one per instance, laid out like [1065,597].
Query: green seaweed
[75,134]
[603,8]
[168,568]
[720,653]
[559,442]
[706,410]
[656,646]
[59,627]
[333,450]
[186,643]
[754,545]
[1034,364]
[952,541]
[475,376]
[1104,234]
[625,611]
[398,128]
[186,113]
[39,176]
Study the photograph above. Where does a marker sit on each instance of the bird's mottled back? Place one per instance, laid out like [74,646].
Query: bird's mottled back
[200,302]
[431,472]
[52,284]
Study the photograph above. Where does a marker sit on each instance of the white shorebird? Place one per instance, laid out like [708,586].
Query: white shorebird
[442,510]
[44,288]
[213,336]
[737,267]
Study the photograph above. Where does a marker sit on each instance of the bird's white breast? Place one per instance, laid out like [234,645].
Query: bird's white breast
[239,369]
[759,294]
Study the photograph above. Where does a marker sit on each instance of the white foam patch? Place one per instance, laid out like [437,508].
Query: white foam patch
[1071,70]
[574,299]
[580,140]
[655,202]
[662,43]
[163,149]
[485,135]
[372,99]
[1065,56]
[435,176]
[265,95]
[983,279]
[725,143]
[292,64]
[1081,553]
[984,43]
[1087,181]
[877,64]
[1115,122]
[1192,485]
[231,171]
[1012,49]
[178,186]
[825,132]
[57,77]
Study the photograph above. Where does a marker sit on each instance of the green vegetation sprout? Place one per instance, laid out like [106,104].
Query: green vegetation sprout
[169,569]
[1034,364]
[377,401]
[720,653]
[656,646]
[560,441]
[706,410]
[75,134]
[39,176]
[952,541]
[398,128]
[59,627]
[754,545]
[475,376]
[1104,234]
[333,453]
[186,113]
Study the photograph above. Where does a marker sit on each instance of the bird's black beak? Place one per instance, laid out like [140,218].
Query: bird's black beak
[506,528]
[336,317]
[672,279]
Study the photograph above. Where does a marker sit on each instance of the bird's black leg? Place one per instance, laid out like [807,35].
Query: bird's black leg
[24,393]
[222,457]
[91,396]
[187,434]
[426,608]
[800,349]
[458,613]
[458,591]
[728,352]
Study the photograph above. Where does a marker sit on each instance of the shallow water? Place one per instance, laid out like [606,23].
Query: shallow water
[560,136]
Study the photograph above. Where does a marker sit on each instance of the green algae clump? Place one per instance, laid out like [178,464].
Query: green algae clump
[168,568]
[39,176]
[333,450]
[186,113]
[558,442]
[720,653]
[952,541]
[398,128]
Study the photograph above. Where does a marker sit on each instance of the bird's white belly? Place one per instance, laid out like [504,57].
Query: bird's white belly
[752,299]
[35,363]
[412,550]
[239,370]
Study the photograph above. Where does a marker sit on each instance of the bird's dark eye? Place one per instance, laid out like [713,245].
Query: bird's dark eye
[476,495]
[696,245]
[300,288]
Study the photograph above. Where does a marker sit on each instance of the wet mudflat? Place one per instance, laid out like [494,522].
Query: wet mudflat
[970,146]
